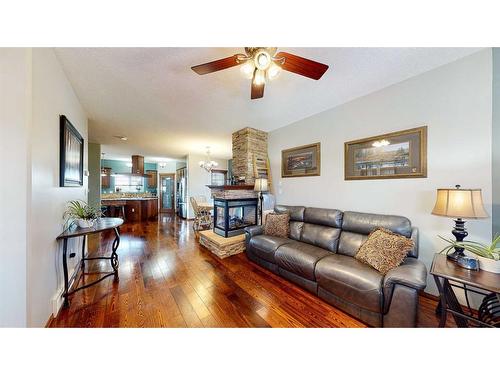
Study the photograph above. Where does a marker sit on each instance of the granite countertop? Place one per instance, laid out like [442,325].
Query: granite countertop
[129,199]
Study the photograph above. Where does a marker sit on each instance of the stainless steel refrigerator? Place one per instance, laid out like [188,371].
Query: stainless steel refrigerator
[181,198]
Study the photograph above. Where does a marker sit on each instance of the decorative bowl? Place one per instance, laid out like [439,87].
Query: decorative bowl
[84,223]
[490,265]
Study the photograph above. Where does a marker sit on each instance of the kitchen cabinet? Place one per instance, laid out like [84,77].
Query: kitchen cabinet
[153,178]
[136,209]
[137,164]
[105,177]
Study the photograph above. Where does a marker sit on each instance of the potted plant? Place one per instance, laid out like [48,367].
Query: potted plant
[84,215]
[488,255]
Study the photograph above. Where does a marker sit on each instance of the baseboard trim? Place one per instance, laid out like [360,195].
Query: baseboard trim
[59,299]
[429,296]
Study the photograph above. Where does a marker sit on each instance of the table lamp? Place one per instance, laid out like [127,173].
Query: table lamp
[260,186]
[459,204]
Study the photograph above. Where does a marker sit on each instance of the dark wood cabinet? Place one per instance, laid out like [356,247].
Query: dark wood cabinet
[137,164]
[153,178]
[135,209]
[149,209]
[105,177]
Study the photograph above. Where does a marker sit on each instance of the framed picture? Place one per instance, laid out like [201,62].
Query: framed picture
[301,161]
[71,154]
[401,154]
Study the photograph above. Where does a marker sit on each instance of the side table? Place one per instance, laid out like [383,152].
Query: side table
[448,275]
[101,225]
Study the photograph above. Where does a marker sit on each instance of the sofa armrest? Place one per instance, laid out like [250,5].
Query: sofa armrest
[412,273]
[414,236]
[252,231]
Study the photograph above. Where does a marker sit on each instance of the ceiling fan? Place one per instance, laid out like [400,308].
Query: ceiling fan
[261,63]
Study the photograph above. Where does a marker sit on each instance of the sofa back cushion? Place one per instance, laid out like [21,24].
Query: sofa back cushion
[322,228]
[356,226]
[296,212]
[323,216]
[296,219]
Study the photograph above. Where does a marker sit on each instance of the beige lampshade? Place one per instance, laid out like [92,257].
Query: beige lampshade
[260,184]
[460,203]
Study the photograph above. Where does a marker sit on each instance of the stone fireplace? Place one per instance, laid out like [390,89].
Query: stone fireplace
[248,143]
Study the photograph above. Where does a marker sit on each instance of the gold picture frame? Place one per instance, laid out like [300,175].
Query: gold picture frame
[302,161]
[401,154]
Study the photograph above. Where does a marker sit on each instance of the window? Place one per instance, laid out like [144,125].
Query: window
[129,184]
[218,177]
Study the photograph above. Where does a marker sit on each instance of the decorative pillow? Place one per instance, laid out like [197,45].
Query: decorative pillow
[277,225]
[384,250]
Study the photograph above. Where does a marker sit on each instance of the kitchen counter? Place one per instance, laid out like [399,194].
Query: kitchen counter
[129,199]
[136,209]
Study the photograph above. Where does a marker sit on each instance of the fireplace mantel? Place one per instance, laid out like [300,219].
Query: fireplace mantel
[232,191]
[231,187]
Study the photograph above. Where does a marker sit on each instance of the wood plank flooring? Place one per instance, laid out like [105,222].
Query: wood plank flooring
[168,280]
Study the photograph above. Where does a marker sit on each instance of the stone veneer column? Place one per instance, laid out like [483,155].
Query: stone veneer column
[246,143]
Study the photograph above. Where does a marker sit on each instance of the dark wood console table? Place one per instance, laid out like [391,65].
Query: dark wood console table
[449,274]
[101,225]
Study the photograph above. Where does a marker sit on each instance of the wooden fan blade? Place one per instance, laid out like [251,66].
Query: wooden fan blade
[217,65]
[299,65]
[257,90]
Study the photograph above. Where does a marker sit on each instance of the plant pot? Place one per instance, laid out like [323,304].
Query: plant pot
[490,265]
[84,223]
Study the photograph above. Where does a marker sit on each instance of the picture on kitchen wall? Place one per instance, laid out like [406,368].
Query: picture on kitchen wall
[301,161]
[401,154]
[71,154]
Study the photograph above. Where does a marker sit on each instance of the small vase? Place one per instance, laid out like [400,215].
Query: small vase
[84,223]
[490,265]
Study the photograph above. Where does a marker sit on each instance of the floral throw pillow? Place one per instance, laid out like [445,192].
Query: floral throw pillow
[277,225]
[384,250]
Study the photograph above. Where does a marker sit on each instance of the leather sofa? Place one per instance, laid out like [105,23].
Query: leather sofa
[319,254]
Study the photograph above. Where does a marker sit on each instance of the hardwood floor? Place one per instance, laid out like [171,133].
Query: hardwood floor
[168,280]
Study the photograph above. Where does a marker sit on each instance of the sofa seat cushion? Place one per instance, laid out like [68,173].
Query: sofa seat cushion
[264,246]
[300,258]
[351,280]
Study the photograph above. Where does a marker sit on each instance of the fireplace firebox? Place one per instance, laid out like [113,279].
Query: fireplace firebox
[231,216]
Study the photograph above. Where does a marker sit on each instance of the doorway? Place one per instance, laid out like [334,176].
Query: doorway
[167,192]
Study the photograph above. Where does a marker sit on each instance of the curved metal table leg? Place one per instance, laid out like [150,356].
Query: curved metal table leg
[114,255]
[65,272]
[442,320]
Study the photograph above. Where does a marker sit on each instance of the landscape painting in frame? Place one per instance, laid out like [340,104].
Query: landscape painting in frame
[401,154]
[301,161]
[71,154]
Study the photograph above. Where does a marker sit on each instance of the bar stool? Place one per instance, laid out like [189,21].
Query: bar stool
[112,207]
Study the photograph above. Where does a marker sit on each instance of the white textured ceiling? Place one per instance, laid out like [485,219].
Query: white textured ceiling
[166,110]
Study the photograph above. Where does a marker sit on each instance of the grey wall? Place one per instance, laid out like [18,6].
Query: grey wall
[496,142]
[94,197]
[52,96]
[454,101]
[15,124]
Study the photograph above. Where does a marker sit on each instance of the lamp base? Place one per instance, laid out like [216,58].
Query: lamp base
[460,233]
[455,255]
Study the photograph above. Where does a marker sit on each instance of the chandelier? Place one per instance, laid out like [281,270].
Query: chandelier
[208,164]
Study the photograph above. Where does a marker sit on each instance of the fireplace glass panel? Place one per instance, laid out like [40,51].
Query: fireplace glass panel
[220,217]
[232,216]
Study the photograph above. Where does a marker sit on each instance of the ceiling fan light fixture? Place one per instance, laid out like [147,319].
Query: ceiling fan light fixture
[262,60]
[273,71]
[247,69]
